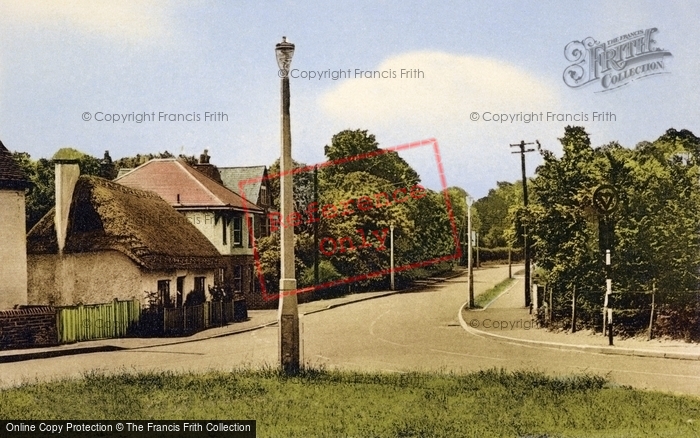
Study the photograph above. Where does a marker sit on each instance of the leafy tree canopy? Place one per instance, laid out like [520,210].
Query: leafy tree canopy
[364,151]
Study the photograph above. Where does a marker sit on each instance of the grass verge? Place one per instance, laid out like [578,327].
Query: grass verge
[485,298]
[492,403]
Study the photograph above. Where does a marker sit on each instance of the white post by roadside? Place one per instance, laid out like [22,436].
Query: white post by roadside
[607,311]
[470,200]
[392,255]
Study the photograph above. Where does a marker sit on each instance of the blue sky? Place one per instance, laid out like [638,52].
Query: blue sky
[60,59]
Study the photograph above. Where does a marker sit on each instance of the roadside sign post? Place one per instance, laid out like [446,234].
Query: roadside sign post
[605,201]
[608,291]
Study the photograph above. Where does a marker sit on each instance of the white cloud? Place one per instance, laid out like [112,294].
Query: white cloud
[439,105]
[451,88]
[125,20]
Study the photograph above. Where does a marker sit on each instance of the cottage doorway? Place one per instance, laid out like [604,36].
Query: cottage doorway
[180,289]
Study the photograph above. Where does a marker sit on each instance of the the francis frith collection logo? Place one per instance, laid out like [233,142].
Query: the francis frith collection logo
[616,62]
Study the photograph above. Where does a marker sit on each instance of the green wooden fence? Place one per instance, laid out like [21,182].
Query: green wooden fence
[97,321]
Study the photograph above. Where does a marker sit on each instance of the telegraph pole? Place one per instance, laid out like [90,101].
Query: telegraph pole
[316,227]
[470,200]
[392,255]
[526,249]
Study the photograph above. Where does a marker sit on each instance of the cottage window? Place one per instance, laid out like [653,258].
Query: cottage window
[224,231]
[265,221]
[199,284]
[237,237]
[164,293]
[238,278]
[221,276]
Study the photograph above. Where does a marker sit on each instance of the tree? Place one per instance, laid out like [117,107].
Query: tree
[496,212]
[40,198]
[360,195]
[433,225]
[657,230]
[139,159]
[458,202]
[354,233]
[302,187]
[655,227]
[561,217]
[363,151]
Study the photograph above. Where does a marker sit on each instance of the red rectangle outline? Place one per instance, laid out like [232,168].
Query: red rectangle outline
[448,204]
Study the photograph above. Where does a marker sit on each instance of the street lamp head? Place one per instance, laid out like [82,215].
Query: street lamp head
[284,52]
[470,201]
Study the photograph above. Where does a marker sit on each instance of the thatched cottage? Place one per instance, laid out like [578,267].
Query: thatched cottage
[228,220]
[104,241]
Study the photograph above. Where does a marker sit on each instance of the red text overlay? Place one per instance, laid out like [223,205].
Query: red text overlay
[355,239]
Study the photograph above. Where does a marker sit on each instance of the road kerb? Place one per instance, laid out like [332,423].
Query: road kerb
[585,348]
[497,297]
[48,353]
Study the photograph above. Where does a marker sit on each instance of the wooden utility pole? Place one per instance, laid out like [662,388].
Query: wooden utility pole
[316,227]
[573,310]
[470,264]
[551,307]
[651,317]
[392,255]
[526,248]
[510,264]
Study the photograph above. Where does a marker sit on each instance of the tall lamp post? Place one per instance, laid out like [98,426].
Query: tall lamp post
[470,200]
[288,315]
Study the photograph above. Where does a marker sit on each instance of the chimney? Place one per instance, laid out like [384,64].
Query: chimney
[67,173]
[204,158]
[207,168]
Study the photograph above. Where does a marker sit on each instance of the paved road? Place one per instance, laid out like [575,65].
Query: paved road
[420,331]
[412,331]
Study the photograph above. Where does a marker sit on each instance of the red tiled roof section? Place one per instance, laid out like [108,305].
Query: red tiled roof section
[11,175]
[183,186]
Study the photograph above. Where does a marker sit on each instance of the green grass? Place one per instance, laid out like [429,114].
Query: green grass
[489,403]
[492,293]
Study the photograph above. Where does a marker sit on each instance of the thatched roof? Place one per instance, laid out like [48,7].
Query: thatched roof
[108,216]
[11,175]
